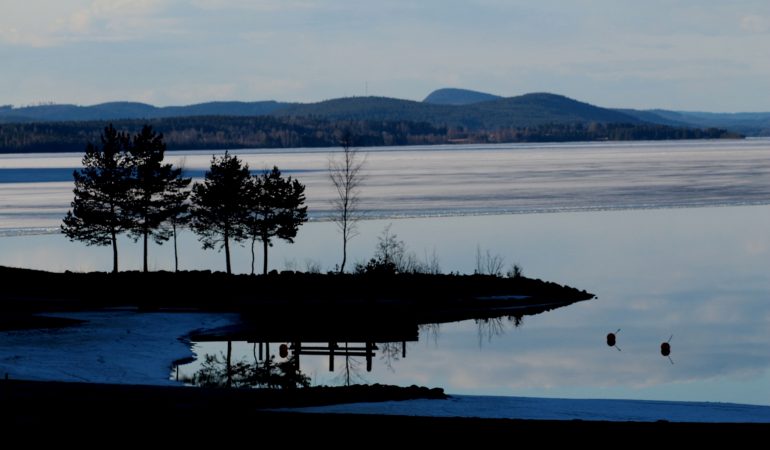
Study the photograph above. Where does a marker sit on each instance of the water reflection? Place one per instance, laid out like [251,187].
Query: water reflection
[284,369]
[495,326]
[222,371]
[700,274]
[356,344]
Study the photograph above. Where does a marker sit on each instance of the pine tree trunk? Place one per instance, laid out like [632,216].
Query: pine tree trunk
[176,255]
[265,245]
[253,239]
[227,251]
[114,251]
[145,249]
[229,365]
[344,250]
[145,233]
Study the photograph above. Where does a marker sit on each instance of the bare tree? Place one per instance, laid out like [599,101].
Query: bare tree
[345,174]
[489,264]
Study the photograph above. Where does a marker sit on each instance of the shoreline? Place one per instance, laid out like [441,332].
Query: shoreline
[414,297]
[65,405]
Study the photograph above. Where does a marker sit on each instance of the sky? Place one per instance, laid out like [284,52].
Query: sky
[704,55]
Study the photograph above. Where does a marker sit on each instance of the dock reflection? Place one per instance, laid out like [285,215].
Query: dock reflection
[354,340]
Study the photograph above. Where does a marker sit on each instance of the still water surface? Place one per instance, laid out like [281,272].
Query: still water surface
[699,274]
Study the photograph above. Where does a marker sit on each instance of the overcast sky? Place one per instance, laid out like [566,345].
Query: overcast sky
[678,54]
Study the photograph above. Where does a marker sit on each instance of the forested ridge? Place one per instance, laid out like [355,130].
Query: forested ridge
[227,132]
[445,116]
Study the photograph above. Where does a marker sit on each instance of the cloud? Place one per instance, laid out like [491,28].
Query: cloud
[116,20]
[44,24]
[755,24]
[257,5]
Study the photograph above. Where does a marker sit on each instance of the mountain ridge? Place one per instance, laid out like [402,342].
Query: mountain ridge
[461,108]
[456,96]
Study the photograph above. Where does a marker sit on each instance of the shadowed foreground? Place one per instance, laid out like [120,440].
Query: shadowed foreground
[101,408]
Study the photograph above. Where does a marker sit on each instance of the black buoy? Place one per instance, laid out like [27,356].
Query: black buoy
[611,339]
[665,349]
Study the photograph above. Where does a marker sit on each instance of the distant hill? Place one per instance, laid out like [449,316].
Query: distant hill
[522,111]
[453,96]
[652,116]
[133,110]
[458,110]
[749,124]
[541,108]
[525,110]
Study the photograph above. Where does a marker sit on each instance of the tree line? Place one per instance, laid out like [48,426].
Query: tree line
[223,132]
[596,131]
[124,187]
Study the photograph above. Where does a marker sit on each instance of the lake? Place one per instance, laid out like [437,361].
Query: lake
[673,238]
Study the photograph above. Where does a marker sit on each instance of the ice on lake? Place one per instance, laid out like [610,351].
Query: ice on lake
[459,180]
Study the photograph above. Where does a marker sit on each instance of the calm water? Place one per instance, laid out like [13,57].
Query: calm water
[699,274]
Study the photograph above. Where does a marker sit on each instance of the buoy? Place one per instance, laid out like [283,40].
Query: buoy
[283,350]
[665,349]
[611,339]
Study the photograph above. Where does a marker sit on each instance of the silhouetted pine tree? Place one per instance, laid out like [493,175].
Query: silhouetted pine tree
[179,217]
[157,191]
[220,204]
[276,210]
[101,208]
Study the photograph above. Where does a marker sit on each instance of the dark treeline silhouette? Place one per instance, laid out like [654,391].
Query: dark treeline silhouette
[124,187]
[605,132]
[223,132]
[232,204]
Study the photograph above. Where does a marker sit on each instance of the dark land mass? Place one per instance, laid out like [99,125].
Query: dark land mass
[133,110]
[11,320]
[748,124]
[454,96]
[304,299]
[87,411]
[372,121]
[450,107]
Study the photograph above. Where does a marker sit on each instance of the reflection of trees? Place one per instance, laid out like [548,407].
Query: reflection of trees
[433,330]
[495,326]
[218,372]
[490,328]
[392,352]
[351,371]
